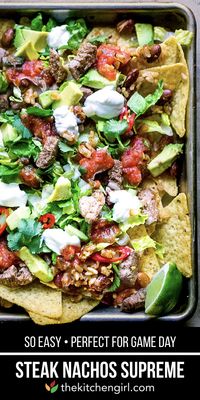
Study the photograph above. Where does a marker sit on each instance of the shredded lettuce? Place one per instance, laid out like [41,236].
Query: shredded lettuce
[184,37]
[151,125]
[132,221]
[159,33]
[147,242]
[139,104]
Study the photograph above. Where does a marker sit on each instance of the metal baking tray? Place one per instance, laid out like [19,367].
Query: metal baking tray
[173,16]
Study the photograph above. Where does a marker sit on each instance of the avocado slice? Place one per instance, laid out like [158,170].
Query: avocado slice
[38,39]
[165,159]
[27,50]
[70,95]
[48,97]
[9,133]
[62,190]
[37,266]
[14,218]
[145,34]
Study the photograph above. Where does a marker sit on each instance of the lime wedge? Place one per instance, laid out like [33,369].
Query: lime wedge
[164,290]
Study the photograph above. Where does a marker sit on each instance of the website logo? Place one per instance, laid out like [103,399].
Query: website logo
[52,387]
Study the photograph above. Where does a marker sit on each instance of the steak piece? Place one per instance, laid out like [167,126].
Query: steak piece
[135,301]
[48,153]
[115,176]
[56,68]
[150,205]
[4,102]
[86,93]
[14,277]
[85,58]
[128,271]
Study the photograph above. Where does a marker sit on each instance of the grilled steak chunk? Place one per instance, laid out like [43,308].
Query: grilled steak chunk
[14,276]
[29,176]
[115,176]
[48,153]
[150,206]
[85,58]
[4,102]
[135,301]
[56,68]
[128,270]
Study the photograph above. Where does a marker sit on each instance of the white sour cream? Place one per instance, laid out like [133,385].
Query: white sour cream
[57,239]
[126,204]
[58,37]
[11,195]
[65,120]
[105,103]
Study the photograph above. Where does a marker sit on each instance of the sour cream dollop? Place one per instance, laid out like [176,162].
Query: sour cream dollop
[11,195]
[65,120]
[126,203]
[105,103]
[57,239]
[58,37]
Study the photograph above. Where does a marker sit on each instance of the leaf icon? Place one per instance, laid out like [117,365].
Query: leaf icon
[52,384]
[47,387]
[53,390]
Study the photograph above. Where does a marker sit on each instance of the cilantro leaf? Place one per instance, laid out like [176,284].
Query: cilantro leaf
[20,127]
[99,39]
[39,112]
[37,23]
[116,282]
[28,233]
[139,104]
[50,24]
[113,129]
[78,30]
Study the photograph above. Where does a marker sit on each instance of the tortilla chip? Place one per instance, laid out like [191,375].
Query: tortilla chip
[166,184]
[137,232]
[170,54]
[71,311]
[149,263]
[36,298]
[41,320]
[176,78]
[175,235]
[5,303]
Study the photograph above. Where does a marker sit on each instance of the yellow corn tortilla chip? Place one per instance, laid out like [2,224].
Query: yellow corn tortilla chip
[166,184]
[71,311]
[171,53]
[174,77]
[175,235]
[36,298]
[148,261]
[5,303]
